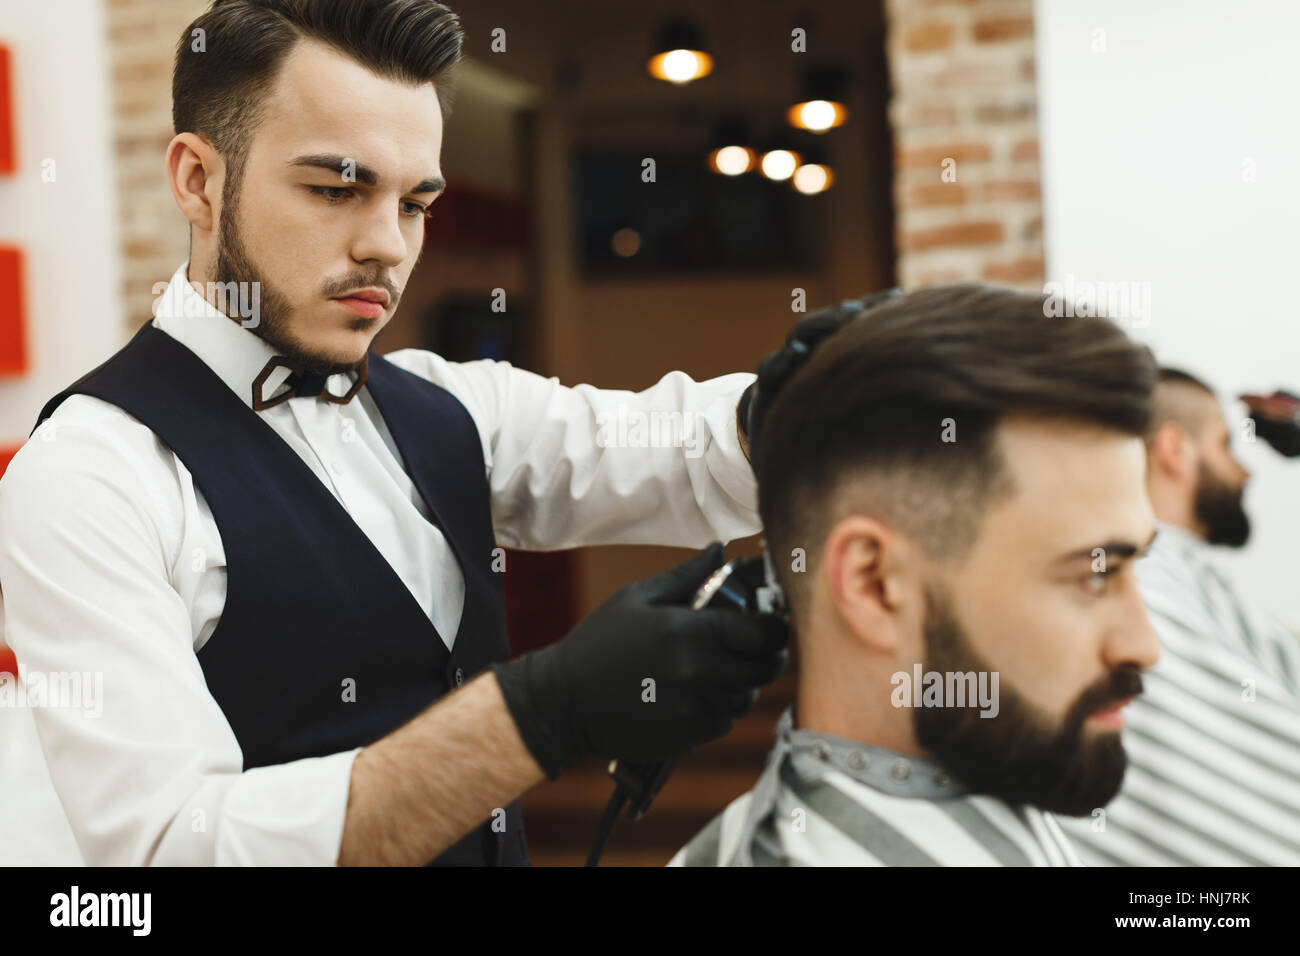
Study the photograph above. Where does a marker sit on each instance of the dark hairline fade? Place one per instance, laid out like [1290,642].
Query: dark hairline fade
[1172,404]
[867,414]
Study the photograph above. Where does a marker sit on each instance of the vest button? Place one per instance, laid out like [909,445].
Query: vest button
[460,677]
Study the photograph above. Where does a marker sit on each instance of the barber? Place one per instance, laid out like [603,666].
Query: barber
[281,551]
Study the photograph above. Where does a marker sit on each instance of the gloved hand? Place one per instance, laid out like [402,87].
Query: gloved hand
[778,366]
[586,693]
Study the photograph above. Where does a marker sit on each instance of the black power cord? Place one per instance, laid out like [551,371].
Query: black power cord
[742,584]
[607,821]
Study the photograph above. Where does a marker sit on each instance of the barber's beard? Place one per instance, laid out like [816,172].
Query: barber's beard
[1218,507]
[1018,754]
[232,264]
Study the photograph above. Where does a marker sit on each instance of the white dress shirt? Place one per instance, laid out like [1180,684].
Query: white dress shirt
[111,563]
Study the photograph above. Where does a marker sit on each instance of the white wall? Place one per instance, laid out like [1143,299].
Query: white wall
[68,231]
[1147,148]
[67,228]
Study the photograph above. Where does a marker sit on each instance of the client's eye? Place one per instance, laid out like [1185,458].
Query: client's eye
[1097,582]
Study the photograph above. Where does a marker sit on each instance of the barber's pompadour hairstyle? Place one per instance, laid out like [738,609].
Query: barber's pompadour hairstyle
[222,74]
[903,402]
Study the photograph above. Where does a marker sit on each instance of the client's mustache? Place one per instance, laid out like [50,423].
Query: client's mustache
[1120,684]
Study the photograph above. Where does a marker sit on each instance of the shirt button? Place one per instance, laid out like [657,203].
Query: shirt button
[901,770]
[858,761]
[336,467]
[460,677]
[820,750]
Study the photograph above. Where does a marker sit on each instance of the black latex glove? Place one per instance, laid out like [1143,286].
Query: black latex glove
[778,366]
[584,693]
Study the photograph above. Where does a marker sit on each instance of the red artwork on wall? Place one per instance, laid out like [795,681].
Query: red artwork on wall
[8,149]
[13,342]
[13,348]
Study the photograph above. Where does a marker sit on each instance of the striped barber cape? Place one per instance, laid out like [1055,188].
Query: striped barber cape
[827,801]
[1214,740]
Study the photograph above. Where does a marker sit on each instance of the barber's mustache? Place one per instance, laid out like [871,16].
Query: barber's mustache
[339,287]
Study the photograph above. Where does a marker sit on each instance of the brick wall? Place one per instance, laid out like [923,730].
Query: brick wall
[963,90]
[154,236]
[964,115]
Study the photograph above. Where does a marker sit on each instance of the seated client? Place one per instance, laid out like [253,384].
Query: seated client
[952,487]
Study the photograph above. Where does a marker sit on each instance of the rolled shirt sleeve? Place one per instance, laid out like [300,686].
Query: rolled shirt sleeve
[575,466]
[146,766]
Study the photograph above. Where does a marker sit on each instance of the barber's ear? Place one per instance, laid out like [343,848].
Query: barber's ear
[869,574]
[1172,453]
[192,169]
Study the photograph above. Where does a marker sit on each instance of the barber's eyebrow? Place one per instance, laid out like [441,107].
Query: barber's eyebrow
[364,174]
[1115,549]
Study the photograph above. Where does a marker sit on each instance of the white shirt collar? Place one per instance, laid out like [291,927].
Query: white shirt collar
[233,352]
[1177,534]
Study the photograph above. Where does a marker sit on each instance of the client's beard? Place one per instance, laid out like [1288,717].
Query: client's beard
[1218,507]
[232,264]
[1017,755]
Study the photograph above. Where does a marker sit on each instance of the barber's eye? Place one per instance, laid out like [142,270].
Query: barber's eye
[327,192]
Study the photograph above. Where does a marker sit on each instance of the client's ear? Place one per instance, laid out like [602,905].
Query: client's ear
[1172,454]
[871,576]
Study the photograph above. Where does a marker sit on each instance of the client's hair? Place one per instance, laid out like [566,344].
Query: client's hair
[902,404]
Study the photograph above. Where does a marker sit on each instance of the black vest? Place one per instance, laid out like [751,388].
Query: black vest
[310,602]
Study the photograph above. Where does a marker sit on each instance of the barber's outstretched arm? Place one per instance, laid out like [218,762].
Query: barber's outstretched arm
[572,466]
[642,678]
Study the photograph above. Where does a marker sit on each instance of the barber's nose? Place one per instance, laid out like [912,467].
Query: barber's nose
[380,239]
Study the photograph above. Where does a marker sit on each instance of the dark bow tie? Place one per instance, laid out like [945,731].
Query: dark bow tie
[302,383]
